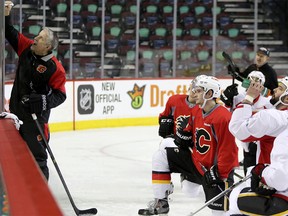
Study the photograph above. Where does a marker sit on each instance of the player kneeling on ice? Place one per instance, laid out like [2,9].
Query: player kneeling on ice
[204,151]
[177,112]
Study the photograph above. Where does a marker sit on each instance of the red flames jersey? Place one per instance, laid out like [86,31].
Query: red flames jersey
[213,142]
[178,107]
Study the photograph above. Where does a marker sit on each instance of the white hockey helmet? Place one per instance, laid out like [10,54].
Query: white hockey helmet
[194,81]
[209,83]
[284,81]
[257,76]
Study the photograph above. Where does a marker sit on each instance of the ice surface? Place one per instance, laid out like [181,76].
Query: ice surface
[110,169]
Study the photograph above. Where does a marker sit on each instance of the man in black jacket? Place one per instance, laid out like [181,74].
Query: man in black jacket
[261,64]
[39,85]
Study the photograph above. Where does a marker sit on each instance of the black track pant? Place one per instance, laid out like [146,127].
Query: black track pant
[180,161]
[31,135]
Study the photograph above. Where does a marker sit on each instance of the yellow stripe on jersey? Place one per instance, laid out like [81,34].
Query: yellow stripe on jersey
[161,181]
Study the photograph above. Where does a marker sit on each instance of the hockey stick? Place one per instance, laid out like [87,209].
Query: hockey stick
[233,66]
[237,175]
[76,210]
[223,193]
[231,63]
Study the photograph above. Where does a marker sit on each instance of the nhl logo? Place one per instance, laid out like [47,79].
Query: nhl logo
[85,99]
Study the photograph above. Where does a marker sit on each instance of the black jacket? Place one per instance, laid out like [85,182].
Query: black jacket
[35,74]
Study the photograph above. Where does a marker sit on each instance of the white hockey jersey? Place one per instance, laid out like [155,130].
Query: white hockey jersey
[264,145]
[260,102]
[276,174]
[268,122]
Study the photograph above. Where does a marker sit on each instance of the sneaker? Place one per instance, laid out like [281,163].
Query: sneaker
[155,207]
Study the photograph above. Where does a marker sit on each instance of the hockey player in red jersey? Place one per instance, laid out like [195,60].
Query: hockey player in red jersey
[178,107]
[177,111]
[213,148]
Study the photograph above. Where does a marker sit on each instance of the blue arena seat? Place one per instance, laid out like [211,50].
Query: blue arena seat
[150,18]
[187,19]
[168,19]
[128,19]
[157,42]
[111,43]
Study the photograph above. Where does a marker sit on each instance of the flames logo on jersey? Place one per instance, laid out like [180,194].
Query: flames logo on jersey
[41,68]
[39,138]
[182,121]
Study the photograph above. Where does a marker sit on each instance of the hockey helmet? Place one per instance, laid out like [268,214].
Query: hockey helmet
[194,81]
[284,81]
[209,83]
[257,76]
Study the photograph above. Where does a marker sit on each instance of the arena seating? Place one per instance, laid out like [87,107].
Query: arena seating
[194,23]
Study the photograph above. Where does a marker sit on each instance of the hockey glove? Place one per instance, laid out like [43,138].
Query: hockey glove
[183,139]
[258,184]
[34,103]
[228,94]
[235,74]
[166,126]
[16,120]
[211,177]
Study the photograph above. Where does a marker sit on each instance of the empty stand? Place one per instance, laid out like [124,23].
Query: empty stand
[235,30]
[148,63]
[90,67]
[157,42]
[203,55]
[188,19]
[128,20]
[144,34]
[111,43]
[165,63]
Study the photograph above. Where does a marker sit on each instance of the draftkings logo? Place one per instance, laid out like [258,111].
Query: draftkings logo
[137,96]
[85,99]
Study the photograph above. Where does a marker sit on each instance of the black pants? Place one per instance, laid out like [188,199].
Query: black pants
[251,203]
[180,161]
[250,156]
[32,137]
